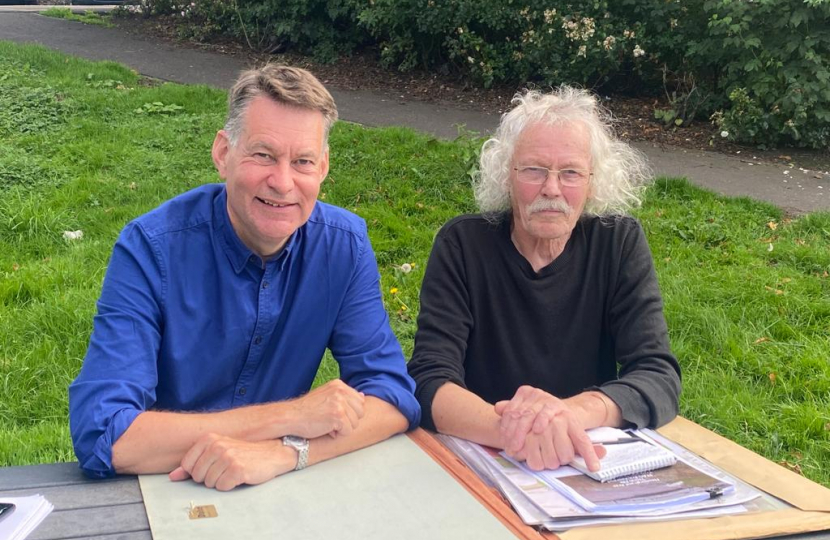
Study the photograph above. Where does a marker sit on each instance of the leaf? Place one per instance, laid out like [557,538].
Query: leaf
[760,340]
[772,225]
[772,377]
[794,467]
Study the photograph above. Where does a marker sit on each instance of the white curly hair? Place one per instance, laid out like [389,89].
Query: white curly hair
[620,173]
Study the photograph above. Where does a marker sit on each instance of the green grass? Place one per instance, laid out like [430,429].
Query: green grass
[88,17]
[88,146]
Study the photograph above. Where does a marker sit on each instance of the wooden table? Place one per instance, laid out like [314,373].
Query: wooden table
[84,509]
[105,509]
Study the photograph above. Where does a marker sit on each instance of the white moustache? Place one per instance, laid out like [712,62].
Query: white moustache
[542,204]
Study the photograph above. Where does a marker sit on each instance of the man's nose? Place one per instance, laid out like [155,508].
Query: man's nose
[551,186]
[280,177]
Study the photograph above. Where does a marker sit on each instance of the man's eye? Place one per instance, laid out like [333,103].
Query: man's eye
[571,173]
[305,165]
[261,156]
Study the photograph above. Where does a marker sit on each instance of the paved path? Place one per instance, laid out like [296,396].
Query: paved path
[795,191]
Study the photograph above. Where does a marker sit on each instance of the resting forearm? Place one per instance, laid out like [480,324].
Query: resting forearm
[458,412]
[156,441]
[380,421]
[595,409]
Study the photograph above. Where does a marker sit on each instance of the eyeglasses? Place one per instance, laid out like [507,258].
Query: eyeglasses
[539,175]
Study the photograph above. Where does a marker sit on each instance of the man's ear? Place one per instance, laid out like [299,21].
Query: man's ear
[219,152]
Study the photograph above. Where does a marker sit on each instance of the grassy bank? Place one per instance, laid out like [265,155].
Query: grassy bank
[88,146]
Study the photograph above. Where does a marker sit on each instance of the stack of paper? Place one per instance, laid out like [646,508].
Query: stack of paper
[27,514]
[541,499]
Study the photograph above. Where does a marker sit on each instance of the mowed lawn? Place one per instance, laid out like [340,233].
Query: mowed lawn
[89,146]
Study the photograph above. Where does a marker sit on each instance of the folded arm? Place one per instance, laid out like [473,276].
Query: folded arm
[157,442]
[224,462]
[534,426]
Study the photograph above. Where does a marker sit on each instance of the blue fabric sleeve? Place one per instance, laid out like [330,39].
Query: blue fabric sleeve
[118,379]
[364,346]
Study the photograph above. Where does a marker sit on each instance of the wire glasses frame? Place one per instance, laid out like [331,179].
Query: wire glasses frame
[566,177]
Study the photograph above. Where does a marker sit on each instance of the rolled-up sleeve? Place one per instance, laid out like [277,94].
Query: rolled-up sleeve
[119,375]
[369,355]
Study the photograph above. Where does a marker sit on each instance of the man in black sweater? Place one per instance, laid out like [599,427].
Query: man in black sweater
[542,317]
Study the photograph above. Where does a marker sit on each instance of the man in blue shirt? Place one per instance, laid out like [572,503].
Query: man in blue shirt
[218,305]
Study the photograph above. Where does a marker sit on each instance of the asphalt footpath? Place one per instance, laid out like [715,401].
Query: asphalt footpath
[789,187]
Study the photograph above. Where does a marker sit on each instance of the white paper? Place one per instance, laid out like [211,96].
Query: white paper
[29,513]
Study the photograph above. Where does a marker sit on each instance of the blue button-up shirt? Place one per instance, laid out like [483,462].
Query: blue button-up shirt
[190,319]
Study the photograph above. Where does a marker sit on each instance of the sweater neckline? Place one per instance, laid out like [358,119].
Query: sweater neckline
[553,268]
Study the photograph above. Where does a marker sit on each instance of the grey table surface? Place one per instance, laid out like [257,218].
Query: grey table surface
[106,509]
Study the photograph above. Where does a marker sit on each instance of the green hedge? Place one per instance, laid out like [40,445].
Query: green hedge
[759,68]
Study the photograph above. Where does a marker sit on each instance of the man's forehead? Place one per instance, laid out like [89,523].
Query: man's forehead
[310,148]
[542,139]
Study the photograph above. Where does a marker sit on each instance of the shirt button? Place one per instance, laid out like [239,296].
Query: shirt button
[257,340]
[243,391]
[264,284]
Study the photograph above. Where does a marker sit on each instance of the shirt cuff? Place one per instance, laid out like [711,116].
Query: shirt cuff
[632,406]
[395,395]
[98,463]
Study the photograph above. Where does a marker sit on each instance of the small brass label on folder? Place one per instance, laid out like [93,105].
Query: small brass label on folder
[205,511]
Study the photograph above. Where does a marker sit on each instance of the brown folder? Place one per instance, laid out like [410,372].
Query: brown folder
[811,501]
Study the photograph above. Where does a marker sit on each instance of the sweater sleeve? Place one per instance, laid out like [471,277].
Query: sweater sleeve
[647,389]
[444,325]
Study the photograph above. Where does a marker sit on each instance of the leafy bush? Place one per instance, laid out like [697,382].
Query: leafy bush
[775,67]
[323,28]
[492,41]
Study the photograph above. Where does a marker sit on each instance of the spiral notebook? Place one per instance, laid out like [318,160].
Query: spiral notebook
[626,455]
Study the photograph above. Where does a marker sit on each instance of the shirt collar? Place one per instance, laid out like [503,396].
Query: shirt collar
[238,253]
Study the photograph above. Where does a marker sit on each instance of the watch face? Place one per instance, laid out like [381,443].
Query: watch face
[301,446]
[294,441]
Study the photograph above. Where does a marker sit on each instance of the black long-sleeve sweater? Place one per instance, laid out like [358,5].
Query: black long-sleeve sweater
[592,319]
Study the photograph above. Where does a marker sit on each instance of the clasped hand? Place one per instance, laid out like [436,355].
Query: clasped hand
[544,431]
[333,409]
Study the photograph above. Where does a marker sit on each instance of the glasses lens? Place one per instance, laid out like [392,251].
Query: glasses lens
[533,175]
[573,177]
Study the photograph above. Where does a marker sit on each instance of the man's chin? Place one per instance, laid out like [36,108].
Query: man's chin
[549,229]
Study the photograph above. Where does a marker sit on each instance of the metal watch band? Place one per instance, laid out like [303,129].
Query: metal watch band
[301,446]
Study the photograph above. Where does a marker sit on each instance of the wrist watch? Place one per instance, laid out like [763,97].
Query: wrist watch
[301,446]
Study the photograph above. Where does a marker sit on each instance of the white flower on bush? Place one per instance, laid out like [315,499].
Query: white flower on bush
[724,134]
[579,31]
[609,42]
[628,34]
[582,50]
[471,60]
[638,51]
[549,15]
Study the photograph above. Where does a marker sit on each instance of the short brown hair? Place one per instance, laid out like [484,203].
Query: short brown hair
[284,84]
